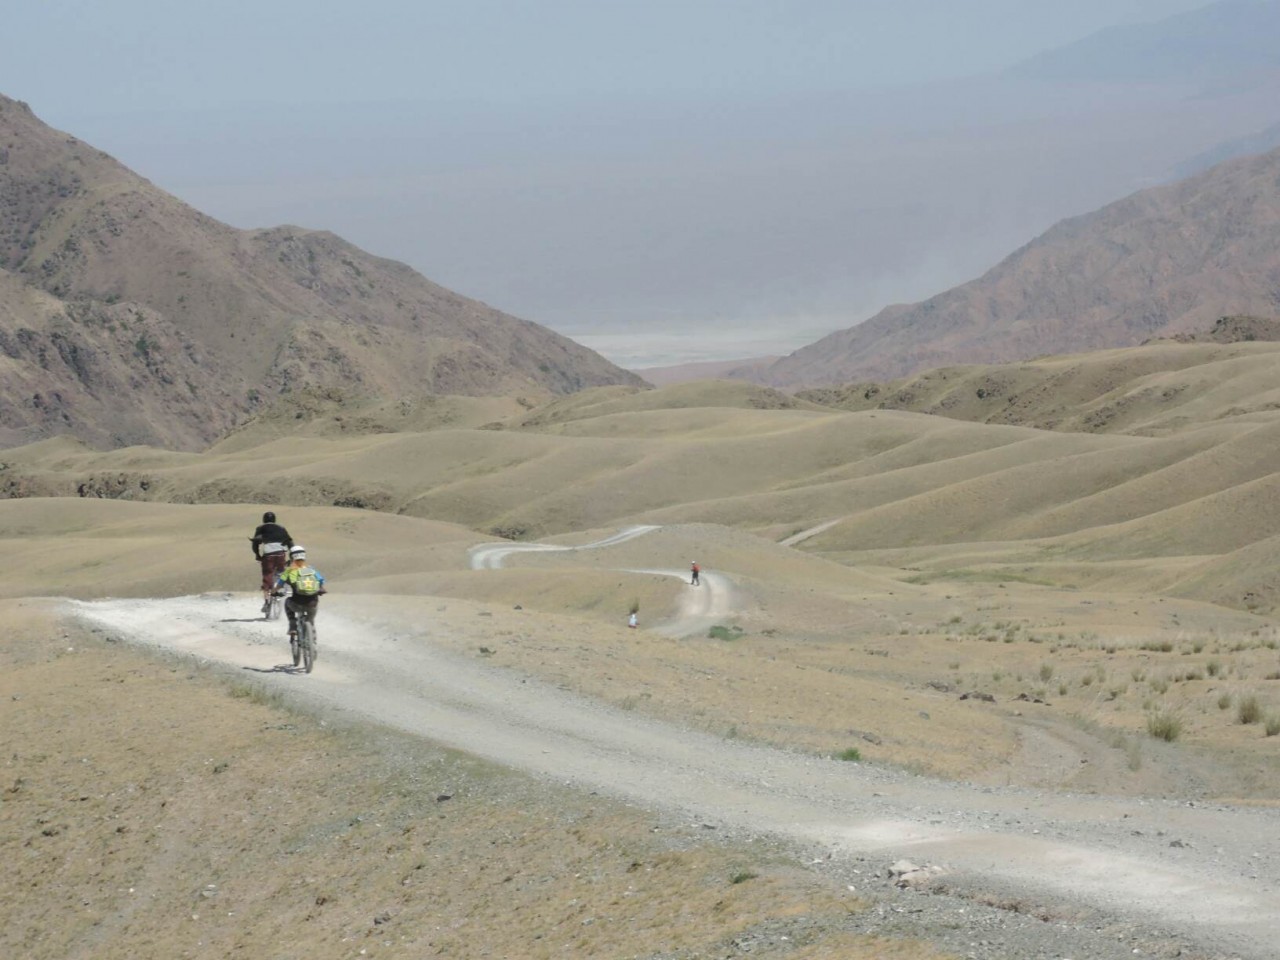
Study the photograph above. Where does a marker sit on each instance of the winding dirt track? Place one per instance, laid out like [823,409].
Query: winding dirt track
[1218,885]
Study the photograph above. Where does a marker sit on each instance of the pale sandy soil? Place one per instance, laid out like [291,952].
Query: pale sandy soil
[988,617]
[386,659]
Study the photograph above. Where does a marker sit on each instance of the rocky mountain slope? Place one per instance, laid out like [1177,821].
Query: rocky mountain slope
[1161,262]
[126,316]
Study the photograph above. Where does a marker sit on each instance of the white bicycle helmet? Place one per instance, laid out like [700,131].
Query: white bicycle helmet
[297,552]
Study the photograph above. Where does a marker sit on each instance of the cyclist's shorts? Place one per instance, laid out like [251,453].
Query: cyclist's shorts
[273,565]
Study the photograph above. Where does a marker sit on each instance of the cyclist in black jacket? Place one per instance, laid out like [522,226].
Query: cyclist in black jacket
[271,543]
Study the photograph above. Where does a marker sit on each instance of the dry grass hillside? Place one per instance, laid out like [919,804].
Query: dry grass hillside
[1175,478]
[1062,609]
[1154,389]
[116,289]
[1165,261]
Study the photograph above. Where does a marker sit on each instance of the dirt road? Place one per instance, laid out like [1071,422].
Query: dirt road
[1211,875]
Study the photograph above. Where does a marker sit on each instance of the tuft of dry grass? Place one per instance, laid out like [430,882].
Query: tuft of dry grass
[1164,725]
[1249,710]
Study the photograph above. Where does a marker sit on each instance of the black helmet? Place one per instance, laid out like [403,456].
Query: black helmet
[268,517]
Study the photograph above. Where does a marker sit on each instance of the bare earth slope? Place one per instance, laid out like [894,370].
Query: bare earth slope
[133,288]
[1099,849]
[1164,261]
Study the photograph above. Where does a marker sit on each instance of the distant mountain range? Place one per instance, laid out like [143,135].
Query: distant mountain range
[1260,142]
[1230,39]
[128,317]
[1165,261]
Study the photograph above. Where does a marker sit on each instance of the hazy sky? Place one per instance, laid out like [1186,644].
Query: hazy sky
[73,57]
[662,180]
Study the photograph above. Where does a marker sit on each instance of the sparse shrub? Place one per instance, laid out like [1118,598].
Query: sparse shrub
[1213,668]
[256,693]
[1164,725]
[1224,701]
[721,632]
[510,531]
[1157,646]
[1160,685]
[743,876]
[1272,725]
[1046,672]
[851,754]
[1249,710]
[1133,754]
[1138,674]
[1062,689]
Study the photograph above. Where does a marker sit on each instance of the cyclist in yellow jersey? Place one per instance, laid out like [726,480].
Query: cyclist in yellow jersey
[303,585]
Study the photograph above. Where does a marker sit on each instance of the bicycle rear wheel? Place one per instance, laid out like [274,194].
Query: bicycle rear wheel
[275,606]
[307,637]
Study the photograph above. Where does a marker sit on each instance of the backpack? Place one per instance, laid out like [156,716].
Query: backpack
[307,582]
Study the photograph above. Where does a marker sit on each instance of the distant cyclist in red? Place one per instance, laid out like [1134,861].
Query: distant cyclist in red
[271,543]
[694,570]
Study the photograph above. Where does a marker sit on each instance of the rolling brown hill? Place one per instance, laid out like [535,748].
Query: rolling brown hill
[126,316]
[1161,262]
[1150,390]
[1161,470]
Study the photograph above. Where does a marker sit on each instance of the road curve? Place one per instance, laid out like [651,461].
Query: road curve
[489,556]
[701,607]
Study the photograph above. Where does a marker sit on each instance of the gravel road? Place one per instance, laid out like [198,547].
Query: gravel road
[1016,872]
[1103,873]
